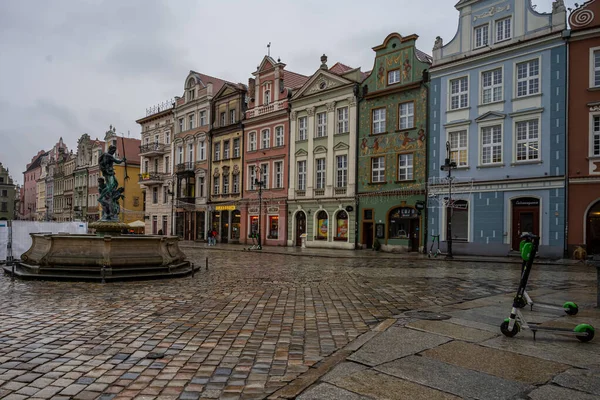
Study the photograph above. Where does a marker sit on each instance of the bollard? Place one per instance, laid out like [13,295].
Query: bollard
[192,264]
[12,275]
[207,263]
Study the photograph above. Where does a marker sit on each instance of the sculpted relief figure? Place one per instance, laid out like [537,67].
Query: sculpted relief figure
[110,193]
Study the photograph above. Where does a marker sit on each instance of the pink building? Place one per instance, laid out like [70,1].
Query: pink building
[30,176]
[266,142]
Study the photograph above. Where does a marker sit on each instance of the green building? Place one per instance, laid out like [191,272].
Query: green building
[392,171]
[7,195]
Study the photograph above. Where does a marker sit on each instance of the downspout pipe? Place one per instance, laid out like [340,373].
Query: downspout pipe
[566,35]
[425,83]
[358,98]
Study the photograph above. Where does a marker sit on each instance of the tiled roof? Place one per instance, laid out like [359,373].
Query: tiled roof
[216,82]
[365,75]
[339,68]
[36,163]
[423,57]
[293,80]
[132,149]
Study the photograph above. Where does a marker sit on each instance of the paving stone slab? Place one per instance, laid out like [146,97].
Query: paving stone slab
[551,392]
[452,379]
[494,315]
[580,379]
[395,343]
[455,331]
[491,361]
[382,386]
[325,391]
[342,370]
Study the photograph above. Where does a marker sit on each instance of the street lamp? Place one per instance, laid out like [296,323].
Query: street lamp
[449,165]
[171,192]
[260,183]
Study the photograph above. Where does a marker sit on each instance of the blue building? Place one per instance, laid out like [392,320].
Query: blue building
[497,108]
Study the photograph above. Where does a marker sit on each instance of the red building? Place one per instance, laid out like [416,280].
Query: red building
[584,128]
[266,144]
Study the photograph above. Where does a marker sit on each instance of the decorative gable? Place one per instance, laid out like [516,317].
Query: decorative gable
[490,116]
[301,152]
[341,146]
[320,149]
[320,81]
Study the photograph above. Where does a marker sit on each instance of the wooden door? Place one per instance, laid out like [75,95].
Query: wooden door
[300,227]
[525,219]
[367,238]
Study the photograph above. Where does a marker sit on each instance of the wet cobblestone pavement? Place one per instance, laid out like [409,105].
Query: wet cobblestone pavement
[242,329]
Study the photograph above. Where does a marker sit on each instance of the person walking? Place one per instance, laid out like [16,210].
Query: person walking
[214,236]
[209,237]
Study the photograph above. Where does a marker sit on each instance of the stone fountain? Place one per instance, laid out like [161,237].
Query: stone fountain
[108,254]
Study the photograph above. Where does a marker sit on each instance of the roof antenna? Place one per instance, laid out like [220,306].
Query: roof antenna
[269,49]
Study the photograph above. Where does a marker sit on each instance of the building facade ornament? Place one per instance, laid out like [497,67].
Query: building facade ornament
[491,11]
[310,111]
[331,106]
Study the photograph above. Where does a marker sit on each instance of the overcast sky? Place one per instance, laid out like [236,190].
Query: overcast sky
[69,67]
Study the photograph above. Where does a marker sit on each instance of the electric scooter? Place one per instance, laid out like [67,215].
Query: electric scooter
[513,325]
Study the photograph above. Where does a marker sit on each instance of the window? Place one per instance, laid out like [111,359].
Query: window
[342,116]
[266,139]
[226,184]
[191,121]
[201,186]
[146,168]
[165,194]
[377,169]
[342,171]
[595,74]
[190,152]
[232,116]
[279,136]
[320,181]
[180,154]
[191,94]
[264,176]
[321,124]
[154,195]
[167,164]
[154,224]
[202,118]
[322,225]
[252,141]
[251,177]
[302,128]
[596,135]
[217,151]
[267,97]
[341,226]
[528,78]
[155,165]
[393,77]
[481,36]
[460,220]
[301,175]
[202,148]
[459,93]
[491,86]
[236,184]
[236,148]
[181,125]
[405,167]
[503,29]
[167,137]
[458,148]
[491,144]
[278,175]
[164,224]
[155,138]
[226,150]
[216,185]
[222,119]
[399,222]
[528,140]
[378,120]
[407,115]
[273,226]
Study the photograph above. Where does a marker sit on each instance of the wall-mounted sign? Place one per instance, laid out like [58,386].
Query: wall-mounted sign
[225,208]
[380,231]
[253,210]
[529,202]
[349,208]
[273,210]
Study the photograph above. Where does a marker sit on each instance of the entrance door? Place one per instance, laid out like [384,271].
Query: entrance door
[414,234]
[224,226]
[525,218]
[367,238]
[592,230]
[300,227]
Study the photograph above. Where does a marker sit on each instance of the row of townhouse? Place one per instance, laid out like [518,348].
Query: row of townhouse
[346,159]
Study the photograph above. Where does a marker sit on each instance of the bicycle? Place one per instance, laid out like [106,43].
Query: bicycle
[435,238]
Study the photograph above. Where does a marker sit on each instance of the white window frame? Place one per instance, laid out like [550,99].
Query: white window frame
[232,118]
[167,137]
[494,87]
[459,94]
[408,168]
[191,121]
[265,140]
[226,149]
[321,121]
[217,156]
[302,128]
[445,219]
[202,117]
[225,183]
[236,147]
[343,119]
[190,152]
[181,124]
[252,141]
[320,173]
[379,171]
[407,117]
[341,173]
[501,31]
[459,148]
[593,69]
[167,164]
[491,145]
[528,78]
[216,185]
[223,119]
[482,40]
[251,177]
[378,120]
[201,186]
[202,148]
[278,174]
[393,77]
[264,174]
[301,174]
[594,135]
[236,183]
[279,136]
[516,141]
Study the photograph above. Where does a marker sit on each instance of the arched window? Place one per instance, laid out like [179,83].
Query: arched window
[399,222]
[322,228]
[341,226]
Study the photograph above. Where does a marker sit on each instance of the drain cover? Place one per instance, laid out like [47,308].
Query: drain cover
[428,315]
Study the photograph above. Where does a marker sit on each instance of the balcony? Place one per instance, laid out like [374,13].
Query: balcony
[319,192]
[262,110]
[186,167]
[152,178]
[154,149]
[340,191]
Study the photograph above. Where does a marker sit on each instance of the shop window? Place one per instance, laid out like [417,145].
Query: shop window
[322,225]
[273,227]
[253,226]
[341,229]
[235,224]
[399,222]
[460,220]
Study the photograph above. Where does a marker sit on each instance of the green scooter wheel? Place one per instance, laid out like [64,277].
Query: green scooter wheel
[571,308]
[584,328]
[504,329]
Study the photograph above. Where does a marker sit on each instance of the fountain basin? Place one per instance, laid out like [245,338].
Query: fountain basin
[92,257]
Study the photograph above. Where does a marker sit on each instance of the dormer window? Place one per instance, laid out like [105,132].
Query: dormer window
[393,77]
[267,94]
[481,36]
[191,94]
[503,27]
[222,119]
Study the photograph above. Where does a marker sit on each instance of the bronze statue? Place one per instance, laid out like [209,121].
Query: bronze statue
[110,193]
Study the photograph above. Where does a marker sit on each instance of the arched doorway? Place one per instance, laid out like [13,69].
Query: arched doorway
[300,227]
[525,218]
[592,229]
